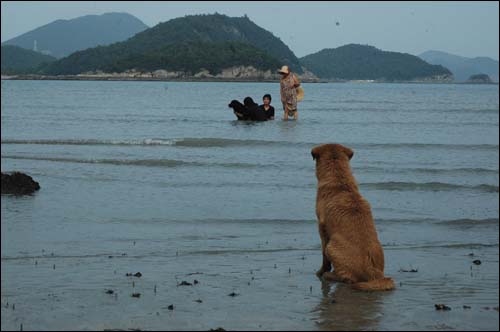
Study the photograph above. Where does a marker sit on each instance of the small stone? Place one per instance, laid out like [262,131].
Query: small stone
[185,283]
[467,307]
[136,294]
[110,291]
[233,294]
[477,262]
[196,282]
[441,307]
[199,301]
[171,307]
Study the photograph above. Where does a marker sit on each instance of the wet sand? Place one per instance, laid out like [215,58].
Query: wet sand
[268,267]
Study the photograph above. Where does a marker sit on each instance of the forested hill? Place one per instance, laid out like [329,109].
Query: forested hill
[17,60]
[206,40]
[363,62]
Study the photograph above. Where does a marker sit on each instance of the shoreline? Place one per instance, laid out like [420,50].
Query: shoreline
[206,79]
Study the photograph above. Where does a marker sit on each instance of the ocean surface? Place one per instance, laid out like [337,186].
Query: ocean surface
[158,177]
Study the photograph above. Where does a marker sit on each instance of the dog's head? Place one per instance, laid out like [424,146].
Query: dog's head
[234,104]
[327,153]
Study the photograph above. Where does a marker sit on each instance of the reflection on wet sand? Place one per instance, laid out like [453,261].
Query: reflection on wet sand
[344,309]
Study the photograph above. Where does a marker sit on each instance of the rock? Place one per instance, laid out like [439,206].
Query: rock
[138,275]
[217,329]
[18,183]
[411,270]
[233,294]
[185,283]
[467,307]
[171,307]
[109,291]
[136,294]
[477,262]
[442,307]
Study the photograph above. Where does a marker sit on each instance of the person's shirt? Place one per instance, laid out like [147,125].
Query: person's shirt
[267,114]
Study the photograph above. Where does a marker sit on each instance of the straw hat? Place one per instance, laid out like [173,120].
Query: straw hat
[284,70]
[300,93]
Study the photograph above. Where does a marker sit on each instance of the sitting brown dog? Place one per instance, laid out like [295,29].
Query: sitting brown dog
[349,239]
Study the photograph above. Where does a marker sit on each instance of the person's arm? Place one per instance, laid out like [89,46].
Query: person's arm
[271,113]
[296,81]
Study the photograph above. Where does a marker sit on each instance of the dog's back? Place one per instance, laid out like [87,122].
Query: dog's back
[349,238]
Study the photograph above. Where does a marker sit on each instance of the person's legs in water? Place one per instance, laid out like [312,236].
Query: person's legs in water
[285,109]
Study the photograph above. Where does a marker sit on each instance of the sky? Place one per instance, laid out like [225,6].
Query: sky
[463,28]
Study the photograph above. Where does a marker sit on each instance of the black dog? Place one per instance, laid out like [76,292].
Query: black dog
[239,110]
[249,110]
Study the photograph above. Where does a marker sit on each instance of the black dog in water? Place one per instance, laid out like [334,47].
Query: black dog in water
[248,111]
[239,110]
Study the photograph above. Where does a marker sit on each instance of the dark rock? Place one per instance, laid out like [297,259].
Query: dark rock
[442,307]
[411,270]
[136,294]
[199,301]
[467,306]
[185,283]
[217,329]
[171,307]
[477,262]
[18,183]
[110,291]
[196,282]
[138,275]
[233,294]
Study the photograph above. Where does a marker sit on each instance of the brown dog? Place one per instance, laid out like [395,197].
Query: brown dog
[349,239]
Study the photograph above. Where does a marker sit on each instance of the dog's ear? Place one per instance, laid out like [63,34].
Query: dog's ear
[348,152]
[315,154]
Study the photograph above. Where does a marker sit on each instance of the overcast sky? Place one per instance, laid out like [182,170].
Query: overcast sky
[463,28]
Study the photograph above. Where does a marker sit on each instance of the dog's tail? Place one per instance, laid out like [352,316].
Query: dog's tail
[384,284]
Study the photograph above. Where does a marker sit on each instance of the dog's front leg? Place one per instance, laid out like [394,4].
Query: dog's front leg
[326,266]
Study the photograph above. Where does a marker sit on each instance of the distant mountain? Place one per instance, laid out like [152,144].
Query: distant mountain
[63,37]
[363,62]
[462,67]
[196,37]
[17,60]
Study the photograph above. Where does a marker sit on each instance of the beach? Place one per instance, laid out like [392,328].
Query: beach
[218,215]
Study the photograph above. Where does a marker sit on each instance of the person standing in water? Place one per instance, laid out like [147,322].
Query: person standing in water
[288,90]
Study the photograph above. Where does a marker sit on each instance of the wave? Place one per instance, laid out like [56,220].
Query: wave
[427,186]
[444,222]
[425,170]
[230,142]
[388,186]
[135,162]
